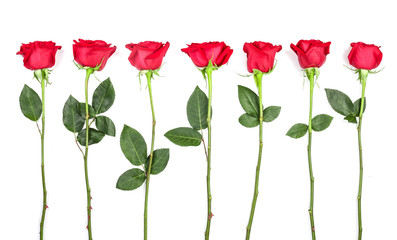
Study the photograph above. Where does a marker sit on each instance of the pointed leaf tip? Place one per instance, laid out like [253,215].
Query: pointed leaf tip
[184,136]
[103,97]
[340,102]
[72,119]
[197,109]
[131,179]
[133,146]
[30,103]
[159,160]
[297,131]
[321,122]
[249,101]
[271,113]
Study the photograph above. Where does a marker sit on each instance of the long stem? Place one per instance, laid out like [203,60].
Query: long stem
[360,186]
[43,83]
[309,154]
[149,75]
[203,141]
[360,227]
[209,196]
[87,183]
[258,166]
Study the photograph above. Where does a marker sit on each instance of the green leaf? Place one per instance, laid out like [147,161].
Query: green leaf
[197,109]
[357,106]
[249,101]
[103,97]
[94,136]
[321,122]
[81,109]
[340,102]
[133,146]
[131,179]
[159,161]
[351,119]
[30,103]
[184,136]
[297,131]
[105,125]
[270,113]
[72,118]
[248,121]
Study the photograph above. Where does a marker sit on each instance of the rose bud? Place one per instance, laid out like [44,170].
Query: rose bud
[38,55]
[365,56]
[92,54]
[202,53]
[260,55]
[311,53]
[147,55]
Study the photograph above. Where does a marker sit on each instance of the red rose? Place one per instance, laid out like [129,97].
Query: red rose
[201,53]
[311,53]
[89,53]
[365,56]
[260,55]
[147,55]
[38,55]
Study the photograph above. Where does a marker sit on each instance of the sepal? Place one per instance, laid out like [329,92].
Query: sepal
[93,69]
[42,74]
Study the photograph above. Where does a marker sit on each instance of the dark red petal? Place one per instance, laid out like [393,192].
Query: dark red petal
[155,60]
[138,56]
[196,54]
[365,56]
[213,51]
[304,45]
[223,57]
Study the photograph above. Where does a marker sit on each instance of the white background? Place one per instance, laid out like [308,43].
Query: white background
[177,207]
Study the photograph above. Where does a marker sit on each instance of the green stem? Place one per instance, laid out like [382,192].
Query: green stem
[43,83]
[149,76]
[209,196]
[87,183]
[363,78]
[258,166]
[310,75]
